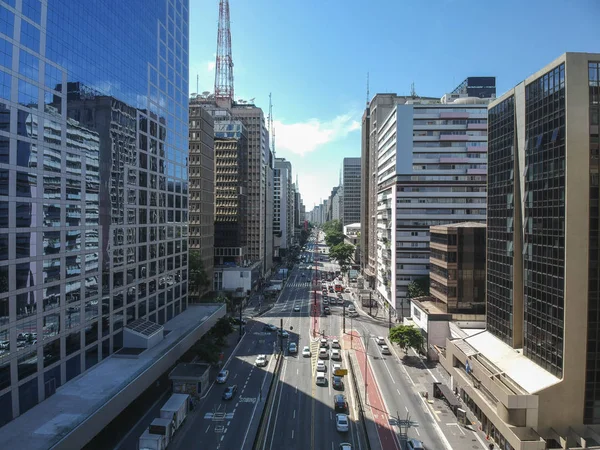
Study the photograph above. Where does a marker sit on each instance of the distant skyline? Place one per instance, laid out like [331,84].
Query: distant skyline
[314,57]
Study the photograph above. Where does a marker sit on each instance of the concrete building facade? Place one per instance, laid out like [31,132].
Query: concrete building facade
[431,170]
[283,203]
[351,182]
[533,376]
[202,191]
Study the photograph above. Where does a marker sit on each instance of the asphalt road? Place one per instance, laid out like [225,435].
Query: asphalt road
[222,424]
[303,415]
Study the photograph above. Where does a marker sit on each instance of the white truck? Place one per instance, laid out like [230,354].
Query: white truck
[157,436]
[176,409]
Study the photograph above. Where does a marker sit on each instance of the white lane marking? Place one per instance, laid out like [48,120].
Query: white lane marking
[457,426]
[222,437]
[228,423]
[417,431]
[330,415]
[237,404]
[256,403]
[294,414]
[398,391]
[235,375]
[292,434]
[207,428]
[406,408]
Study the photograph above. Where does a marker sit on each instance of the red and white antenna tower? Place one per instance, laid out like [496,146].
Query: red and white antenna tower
[224,63]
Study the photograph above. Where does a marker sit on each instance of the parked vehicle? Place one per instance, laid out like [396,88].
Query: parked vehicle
[176,409]
[157,436]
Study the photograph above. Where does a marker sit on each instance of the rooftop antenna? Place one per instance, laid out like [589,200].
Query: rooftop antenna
[367,88]
[197,83]
[413,93]
[270,118]
[274,155]
[224,63]
[340,182]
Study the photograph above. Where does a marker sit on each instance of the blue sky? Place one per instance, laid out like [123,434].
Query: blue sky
[313,56]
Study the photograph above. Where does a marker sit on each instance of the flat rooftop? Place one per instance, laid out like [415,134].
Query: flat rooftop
[431,307]
[44,425]
[458,225]
[509,361]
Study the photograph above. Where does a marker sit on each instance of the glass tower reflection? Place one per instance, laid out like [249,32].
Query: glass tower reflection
[93,183]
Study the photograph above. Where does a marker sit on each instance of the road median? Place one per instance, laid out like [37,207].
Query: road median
[261,435]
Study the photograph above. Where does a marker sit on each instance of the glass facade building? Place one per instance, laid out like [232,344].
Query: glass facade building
[93,183]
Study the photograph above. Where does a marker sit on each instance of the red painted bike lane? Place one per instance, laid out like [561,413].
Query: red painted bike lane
[387,435]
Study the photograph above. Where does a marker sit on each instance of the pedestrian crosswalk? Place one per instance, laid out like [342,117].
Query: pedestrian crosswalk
[298,284]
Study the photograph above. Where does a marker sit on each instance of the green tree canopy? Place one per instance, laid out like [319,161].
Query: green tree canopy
[343,254]
[331,226]
[418,287]
[407,336]
[198,278]
[334,238]
[222,328]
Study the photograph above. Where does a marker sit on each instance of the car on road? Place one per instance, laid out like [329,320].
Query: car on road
[335,344]
[345,446]
[414,444]
[323,353]
[325,301]
[340,405]
[380,340]
[336,355]
[284,334]
[341,422]
[269,327]
[229,392]
[336,367]
[222,376]
[326,310]
[296,308]
[261,361]
[320,379]
[385,350]
[337,383]
[323,343]
[293,348]
[321,367]
[306,351]
[347,290]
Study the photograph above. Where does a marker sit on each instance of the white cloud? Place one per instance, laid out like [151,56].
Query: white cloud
[304,137]
[210,66]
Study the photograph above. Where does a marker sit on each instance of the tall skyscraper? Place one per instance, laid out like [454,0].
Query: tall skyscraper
[93,207]
[283,204]
[351,182]
[431,170]
[202,192]
[543,279]
[260,184]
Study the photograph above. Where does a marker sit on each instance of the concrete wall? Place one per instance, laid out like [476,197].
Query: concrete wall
[89,428]
[234,279]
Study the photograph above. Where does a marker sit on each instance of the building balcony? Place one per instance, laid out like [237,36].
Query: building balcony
[440,295]
[442,280]
[442,247]
[441,263]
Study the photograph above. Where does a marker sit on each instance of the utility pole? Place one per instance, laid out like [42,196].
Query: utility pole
[241,324]
[370,303]
[389,316]
[281,334]
[366,367]
[344,316]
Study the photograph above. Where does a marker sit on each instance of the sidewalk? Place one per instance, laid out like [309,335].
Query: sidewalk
[380,433]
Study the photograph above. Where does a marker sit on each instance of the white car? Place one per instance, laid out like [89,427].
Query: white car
[323,343]
[341,422]
[385,350]
[321,380]
[335,344]
[380,340]
[321,367]
[336,367]
[296,309]
[323,353]
[261,361]
[336,355]
[306,351]
[345,446]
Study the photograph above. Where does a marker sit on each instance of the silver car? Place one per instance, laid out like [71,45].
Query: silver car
[222,376]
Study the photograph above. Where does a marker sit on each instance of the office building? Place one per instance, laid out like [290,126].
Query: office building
[335,203]
[533,376]
[260,184]
[457,269]
[431,170]
[94,222]
[231,179]
[351,182]
[202,193]
[282,204]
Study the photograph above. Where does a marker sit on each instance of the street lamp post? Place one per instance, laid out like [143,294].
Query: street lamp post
[366,367]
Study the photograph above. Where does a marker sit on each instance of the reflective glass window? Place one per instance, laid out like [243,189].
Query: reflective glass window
[51,352]
[7,21]
[6,52]
[3,247]
[4,182]
[51,216]
[26,184]
[73,240]
[28,94]
[51,325]
[51,297]
[4,279]
[25,245]
[53,77]
[30,36]
[51,241]
[5,81]
[51,270]
[26,305]
[4,150]
[73,264]
[52,187]
[29,65]
[52,159]
[26,154]
[24,275]
[27,365]
[33,10]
